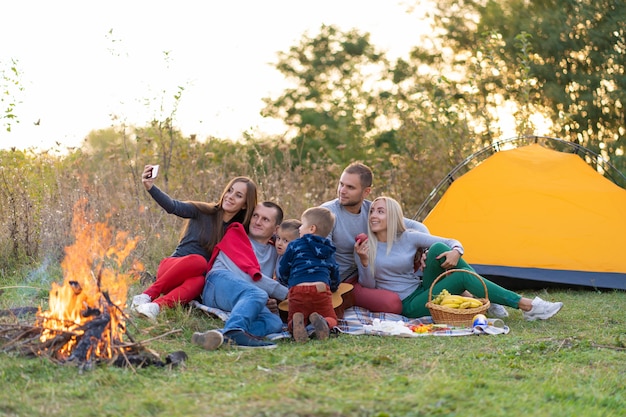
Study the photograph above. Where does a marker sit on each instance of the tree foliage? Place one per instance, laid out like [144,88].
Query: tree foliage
[574,73]
[10,88]
[331,108]
[350,103]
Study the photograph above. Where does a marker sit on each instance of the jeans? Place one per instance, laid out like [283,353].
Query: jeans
[246,302]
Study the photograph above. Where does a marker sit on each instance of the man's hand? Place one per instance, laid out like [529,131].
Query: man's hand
[272,304]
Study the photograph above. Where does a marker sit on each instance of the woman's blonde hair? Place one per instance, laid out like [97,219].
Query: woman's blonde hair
[395,227]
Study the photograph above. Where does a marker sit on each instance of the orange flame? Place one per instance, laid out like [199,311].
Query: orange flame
[93,287]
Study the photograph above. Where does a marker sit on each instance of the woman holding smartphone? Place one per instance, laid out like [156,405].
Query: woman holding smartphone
[180,277]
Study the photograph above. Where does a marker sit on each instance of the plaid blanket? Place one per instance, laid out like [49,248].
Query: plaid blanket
[359,321]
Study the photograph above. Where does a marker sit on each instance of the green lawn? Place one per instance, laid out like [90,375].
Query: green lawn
[571,365]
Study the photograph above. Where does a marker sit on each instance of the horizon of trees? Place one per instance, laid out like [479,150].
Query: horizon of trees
[561,59]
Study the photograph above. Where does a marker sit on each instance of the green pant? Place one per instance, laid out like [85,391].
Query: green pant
[415,304]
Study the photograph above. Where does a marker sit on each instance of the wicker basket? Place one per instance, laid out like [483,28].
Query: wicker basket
[455,316]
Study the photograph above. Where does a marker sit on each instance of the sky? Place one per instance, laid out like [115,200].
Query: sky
[88,65]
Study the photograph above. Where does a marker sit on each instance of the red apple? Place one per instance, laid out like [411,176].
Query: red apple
[361,237]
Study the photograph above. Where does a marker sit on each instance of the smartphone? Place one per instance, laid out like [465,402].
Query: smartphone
[155,171]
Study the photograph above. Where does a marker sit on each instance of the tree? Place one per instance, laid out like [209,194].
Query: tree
[575,68]
[350,103]
[10,87]
[331,109]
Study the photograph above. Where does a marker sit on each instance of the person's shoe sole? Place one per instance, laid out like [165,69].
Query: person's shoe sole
[544,315]
[298,330]
[497,312]
[139,300]
[236,346]
[210,340]
[246,342]
[146,311]
[320,325]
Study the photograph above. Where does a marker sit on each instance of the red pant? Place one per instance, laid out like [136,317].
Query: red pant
[179,280]
[375,299]
[307,299]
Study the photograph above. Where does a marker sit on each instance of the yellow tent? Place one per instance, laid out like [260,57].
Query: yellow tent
[538,214]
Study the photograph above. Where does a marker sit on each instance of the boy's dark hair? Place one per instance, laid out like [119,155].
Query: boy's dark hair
[322,218]
[290,225]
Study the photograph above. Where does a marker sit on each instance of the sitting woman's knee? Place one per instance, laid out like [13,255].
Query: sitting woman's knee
[438,248]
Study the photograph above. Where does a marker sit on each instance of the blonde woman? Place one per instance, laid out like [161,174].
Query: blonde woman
[386,260]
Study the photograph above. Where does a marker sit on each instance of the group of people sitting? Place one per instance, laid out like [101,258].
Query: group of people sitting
[239,256]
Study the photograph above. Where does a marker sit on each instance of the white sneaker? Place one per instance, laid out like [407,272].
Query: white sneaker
[542,310]
[497,311]
[150,310]
[139,300]
[209,340]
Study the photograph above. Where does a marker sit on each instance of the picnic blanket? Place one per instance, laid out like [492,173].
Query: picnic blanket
[360,321]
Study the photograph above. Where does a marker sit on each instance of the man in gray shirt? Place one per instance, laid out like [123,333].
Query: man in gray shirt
[351,210]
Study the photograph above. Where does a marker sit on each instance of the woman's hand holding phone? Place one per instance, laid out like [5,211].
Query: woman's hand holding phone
[149,174]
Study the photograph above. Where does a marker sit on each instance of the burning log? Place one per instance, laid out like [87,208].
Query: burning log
[92,335]
[85,322]
[19,311]
[25,340]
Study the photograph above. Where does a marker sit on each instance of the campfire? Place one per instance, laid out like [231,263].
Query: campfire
[85,321]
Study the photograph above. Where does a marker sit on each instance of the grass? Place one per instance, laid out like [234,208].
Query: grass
[571,365]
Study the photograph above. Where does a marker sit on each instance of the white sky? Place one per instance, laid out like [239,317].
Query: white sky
[75,77]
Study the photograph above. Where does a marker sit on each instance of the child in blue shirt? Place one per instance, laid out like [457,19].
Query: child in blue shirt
[311,273]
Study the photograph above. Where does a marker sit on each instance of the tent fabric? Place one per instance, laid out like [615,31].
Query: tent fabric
[539,214]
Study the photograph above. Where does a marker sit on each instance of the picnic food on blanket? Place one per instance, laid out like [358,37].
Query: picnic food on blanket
[456,301]
[361,237]
[420,328]
[479,320]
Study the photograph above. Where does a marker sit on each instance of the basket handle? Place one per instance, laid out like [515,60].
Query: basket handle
[450,271]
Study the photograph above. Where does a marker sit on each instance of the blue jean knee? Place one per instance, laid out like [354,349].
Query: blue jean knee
[246,302]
